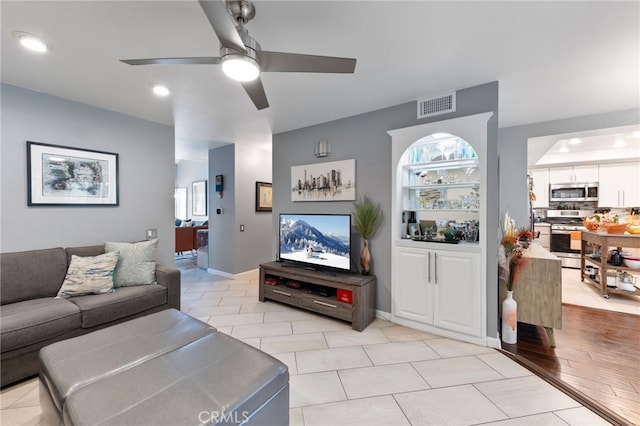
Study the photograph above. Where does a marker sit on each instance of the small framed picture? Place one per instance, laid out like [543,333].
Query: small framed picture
[263,197]
[199,198]
[414,230]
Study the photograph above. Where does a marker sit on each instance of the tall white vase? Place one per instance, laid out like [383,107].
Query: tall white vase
[509,319]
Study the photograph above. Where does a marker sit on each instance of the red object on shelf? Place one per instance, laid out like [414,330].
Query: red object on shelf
[345,296]
[271,281]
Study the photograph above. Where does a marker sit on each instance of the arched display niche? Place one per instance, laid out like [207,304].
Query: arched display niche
[437,287]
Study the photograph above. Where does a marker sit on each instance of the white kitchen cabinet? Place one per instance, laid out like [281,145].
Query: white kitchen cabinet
[567,174]
[456,292]
[439,288]
[413,299]
[619,185]
[540,187]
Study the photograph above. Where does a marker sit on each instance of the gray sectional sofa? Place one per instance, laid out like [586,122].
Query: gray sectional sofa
[31,316]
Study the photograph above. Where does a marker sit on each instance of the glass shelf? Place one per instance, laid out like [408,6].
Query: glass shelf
[447,210]
[442,165]
[444,185]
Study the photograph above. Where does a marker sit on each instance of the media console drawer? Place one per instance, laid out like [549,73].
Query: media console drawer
[360,313]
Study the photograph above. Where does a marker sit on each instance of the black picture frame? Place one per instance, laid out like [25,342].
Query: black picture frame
[66,176]
[264,197]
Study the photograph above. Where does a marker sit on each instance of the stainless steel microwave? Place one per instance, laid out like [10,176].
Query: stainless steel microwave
[573,191]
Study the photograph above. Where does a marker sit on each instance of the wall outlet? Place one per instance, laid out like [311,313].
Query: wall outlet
[152,233]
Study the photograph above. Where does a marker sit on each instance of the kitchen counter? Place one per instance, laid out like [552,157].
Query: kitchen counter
[538,290]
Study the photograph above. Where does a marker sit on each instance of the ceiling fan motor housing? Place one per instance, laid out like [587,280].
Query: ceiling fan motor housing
[251,45]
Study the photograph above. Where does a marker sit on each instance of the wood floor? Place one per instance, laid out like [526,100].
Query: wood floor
[597,357]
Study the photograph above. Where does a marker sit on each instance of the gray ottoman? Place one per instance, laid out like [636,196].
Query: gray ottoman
[163,369]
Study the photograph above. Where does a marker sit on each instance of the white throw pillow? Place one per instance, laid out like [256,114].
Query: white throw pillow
[89,275]
[136,262]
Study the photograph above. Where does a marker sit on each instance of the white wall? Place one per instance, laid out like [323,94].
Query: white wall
[146,175]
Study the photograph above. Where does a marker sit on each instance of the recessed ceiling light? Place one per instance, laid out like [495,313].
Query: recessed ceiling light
[619,143]
[636,135]
[159,89]
[575,141]
[31,42]
[563,149]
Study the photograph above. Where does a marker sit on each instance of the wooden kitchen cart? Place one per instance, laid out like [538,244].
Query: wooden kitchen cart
[360,288]
[605,241]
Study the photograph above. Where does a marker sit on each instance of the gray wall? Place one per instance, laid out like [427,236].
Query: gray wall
[187,172]
[146,175]
[364,137]
[230,250]
[512,148]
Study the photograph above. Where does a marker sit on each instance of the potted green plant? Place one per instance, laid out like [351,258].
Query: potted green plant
[367,218]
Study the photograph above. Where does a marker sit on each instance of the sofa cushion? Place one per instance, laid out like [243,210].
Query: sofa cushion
[136,263]
[84,251]
[31,274]
[32,321]
[89,275]
[98,309]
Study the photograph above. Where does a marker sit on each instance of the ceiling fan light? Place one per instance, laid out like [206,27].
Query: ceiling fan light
[240,67]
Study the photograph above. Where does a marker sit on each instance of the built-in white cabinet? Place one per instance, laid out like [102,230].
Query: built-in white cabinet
[540,187]
[619,185]
[588,173]
[440,174]
[440,288]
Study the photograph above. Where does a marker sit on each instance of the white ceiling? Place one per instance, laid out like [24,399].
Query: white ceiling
[602,145]
[553,60]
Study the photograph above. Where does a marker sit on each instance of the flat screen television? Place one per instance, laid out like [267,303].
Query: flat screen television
[316,240]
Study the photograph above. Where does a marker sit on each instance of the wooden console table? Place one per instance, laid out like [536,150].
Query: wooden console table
[605,241]
[538,290]
[359,313]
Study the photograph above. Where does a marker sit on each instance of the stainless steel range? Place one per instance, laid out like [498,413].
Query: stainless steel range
[563,222]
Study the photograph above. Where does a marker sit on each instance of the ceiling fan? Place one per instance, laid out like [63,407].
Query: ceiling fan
[242,58]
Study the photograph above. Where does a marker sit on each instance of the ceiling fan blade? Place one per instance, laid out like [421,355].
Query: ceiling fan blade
[222,23]
[173,61]
[256,92]
[294,62]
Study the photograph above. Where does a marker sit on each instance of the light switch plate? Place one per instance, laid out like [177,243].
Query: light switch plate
[152,233]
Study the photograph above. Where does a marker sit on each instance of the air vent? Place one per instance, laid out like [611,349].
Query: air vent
[436,105]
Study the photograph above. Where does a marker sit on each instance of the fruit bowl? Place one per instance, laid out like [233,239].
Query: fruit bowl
[632,262]
[615,228]
[591,226]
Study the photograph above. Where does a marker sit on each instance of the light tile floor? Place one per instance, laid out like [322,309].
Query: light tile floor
[577,292]
[385,375]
